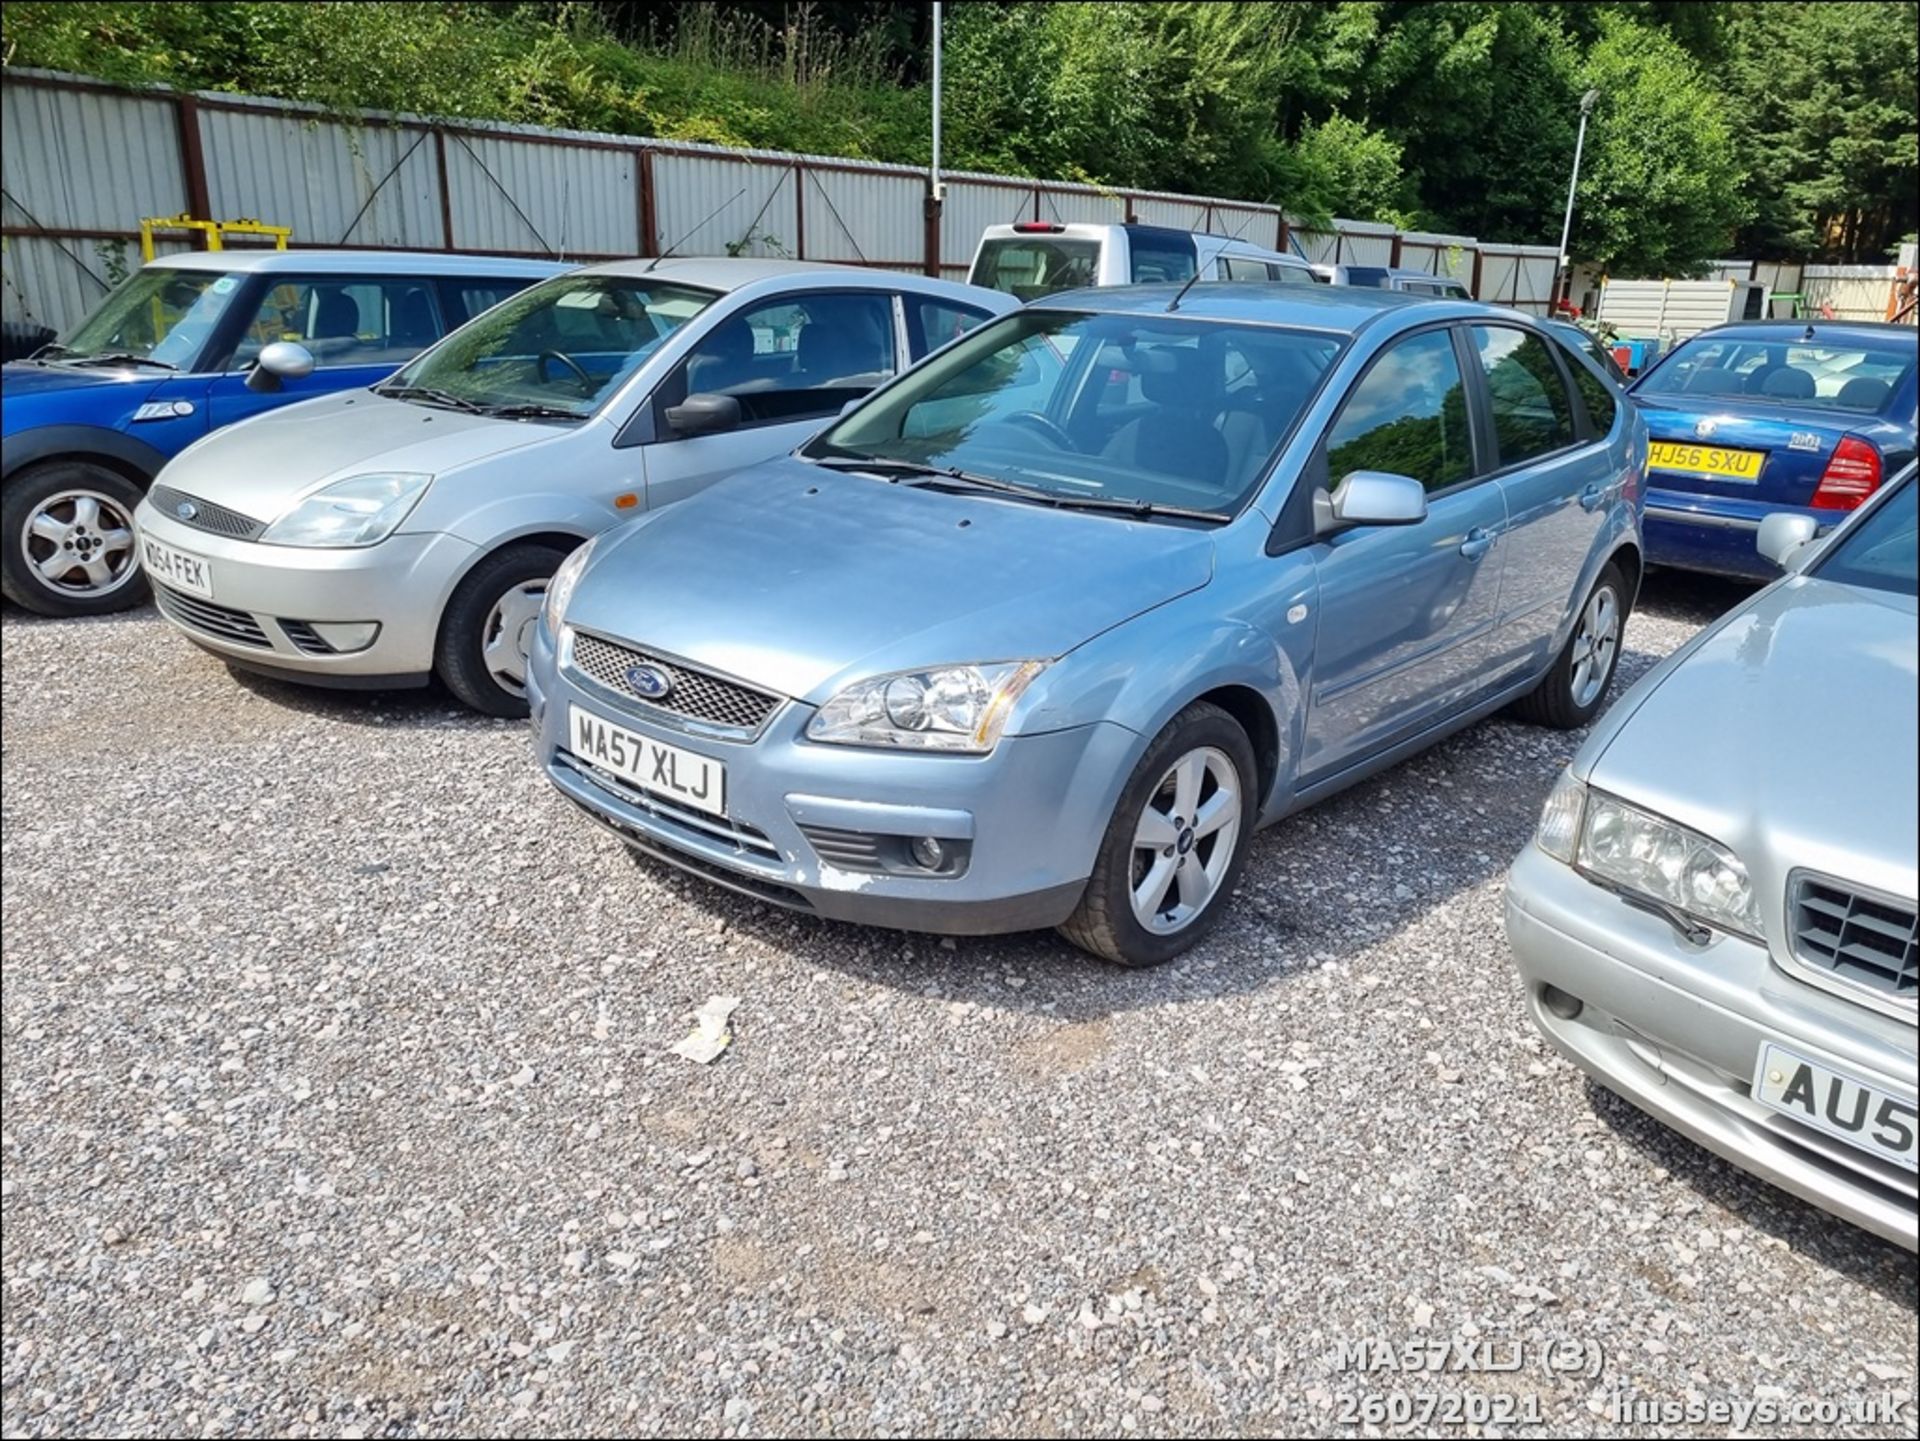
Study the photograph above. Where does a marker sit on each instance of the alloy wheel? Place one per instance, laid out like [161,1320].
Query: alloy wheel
[1184,841]
[1595,645]
[80,543]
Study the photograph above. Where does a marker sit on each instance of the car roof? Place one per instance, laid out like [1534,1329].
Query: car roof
[729,273]
[1340,308]
[359,262]
[1804,331]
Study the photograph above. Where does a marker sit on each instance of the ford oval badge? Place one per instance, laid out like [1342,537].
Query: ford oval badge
[649,681]
[186,510]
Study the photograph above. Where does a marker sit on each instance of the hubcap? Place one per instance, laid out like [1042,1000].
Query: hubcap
[80,543]
[1184,840]
[508,635]
[1595,645]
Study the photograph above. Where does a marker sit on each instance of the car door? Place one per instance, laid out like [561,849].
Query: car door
[1558,478]
[792,362]
[359,329]
[1407,614]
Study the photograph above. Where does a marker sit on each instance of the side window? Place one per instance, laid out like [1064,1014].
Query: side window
[932,323]
[345,322]
[1407,416]
[1292,275]
[1160,258]
[1595,393]
[1532,412]
[793,358]
[1241,268]
[471,297]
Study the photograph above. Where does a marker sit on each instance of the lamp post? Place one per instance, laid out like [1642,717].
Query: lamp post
[1587,102]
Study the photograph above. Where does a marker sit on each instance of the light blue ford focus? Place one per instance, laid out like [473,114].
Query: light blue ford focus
[1042,632]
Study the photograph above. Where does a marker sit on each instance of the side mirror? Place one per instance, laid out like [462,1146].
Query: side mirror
[704,414]
[1370,497]
[1784,537]
[283,360]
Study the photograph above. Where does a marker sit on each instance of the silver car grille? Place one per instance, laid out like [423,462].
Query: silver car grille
[204,514]
[1867,941]
[692,694]
[219,621]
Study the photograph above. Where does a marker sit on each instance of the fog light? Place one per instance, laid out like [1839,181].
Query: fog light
[347,636]
[928,853]
[1561,1004]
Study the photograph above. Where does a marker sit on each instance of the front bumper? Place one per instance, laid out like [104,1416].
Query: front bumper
[263,596]
[1678,1031]
[1715,533]
[1029,817]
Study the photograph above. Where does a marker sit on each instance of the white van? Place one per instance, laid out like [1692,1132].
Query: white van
[1039,257]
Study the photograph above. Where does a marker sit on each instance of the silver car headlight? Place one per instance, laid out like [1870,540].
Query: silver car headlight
[945,708]
[360,510]
[560,588]
[1648,855]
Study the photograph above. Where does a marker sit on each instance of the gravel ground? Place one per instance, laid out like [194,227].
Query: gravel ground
[338,1101]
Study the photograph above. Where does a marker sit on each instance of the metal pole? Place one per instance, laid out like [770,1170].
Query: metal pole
[1566,226]
[933,171]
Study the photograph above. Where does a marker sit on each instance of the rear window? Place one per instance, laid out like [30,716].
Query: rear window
[1850,376]
[1028,267]
[1157,258]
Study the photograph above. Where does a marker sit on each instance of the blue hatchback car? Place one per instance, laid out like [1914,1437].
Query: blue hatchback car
[1041,632]
[1764,416]
[165,358]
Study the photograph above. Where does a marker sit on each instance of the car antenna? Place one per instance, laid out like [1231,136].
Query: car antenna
[1174,304]
[694,229]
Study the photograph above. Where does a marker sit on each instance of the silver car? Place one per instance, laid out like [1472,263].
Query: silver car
[1042,632]
[1716,919]
[378,537]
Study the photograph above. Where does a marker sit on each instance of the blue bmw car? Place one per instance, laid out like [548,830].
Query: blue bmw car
[1764,416]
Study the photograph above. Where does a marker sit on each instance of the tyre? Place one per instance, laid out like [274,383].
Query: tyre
[1175,845]
[66,539]
[488,625]
[1571,694]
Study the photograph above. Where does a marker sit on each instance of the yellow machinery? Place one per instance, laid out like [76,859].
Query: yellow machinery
[215,231]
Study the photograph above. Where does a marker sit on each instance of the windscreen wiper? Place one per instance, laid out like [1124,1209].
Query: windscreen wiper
[933,474]
[432,396]
[1143,509]
[119,357]
[531,410]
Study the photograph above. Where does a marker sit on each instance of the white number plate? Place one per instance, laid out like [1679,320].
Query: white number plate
[678,775]
[176,568]
[1865,1116]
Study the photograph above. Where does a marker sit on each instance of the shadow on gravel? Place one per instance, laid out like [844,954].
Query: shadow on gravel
[428,705]
[1859,1255]
[1680,595]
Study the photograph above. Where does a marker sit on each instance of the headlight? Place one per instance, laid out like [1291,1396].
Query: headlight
[1654,857]
[1559,833]
[560,588]
[360,510]
[948,708]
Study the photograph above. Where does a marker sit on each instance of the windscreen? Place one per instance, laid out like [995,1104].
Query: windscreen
[1028,267]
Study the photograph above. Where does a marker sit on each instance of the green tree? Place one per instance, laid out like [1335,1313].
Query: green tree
[1661,184]
[1824,98]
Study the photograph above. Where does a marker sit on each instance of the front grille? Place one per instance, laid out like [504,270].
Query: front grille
[748,840]
[219,621]
[1864,940]
[206,515]
[305,637]
[692,694]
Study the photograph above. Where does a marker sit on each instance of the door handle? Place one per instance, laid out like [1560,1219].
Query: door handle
[1593,497]
[1478,542]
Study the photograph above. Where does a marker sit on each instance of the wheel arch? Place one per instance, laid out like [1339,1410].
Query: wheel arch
[557,537]
[95,445]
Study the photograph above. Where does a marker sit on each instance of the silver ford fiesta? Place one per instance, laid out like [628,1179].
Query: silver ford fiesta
[1716,918]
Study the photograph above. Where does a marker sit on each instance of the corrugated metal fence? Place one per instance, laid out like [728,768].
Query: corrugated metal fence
[82,163]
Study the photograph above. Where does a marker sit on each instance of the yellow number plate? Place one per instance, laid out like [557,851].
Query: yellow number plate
[1706,460]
